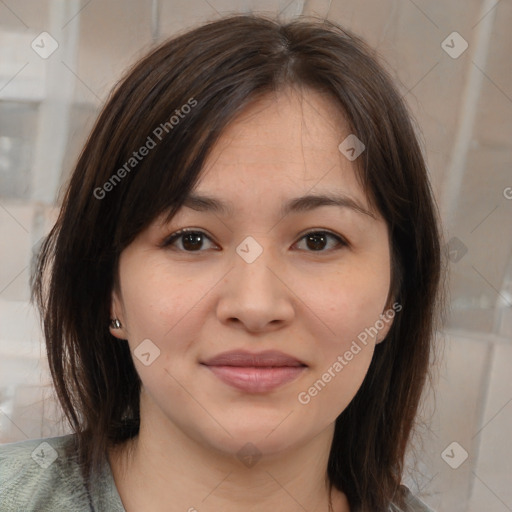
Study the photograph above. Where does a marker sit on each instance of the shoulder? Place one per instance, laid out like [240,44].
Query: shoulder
[39,474]
[412,503]
[42,475]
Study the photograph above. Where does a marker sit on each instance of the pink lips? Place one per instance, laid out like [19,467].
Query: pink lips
[255,372]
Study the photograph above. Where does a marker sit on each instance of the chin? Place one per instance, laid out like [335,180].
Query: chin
[261,438]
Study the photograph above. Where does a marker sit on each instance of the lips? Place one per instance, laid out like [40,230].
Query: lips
[255,372]
[269,358]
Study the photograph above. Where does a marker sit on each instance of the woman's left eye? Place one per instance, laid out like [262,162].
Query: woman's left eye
[192,240]
[319,239]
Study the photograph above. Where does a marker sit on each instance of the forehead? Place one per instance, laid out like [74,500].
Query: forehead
[282,145]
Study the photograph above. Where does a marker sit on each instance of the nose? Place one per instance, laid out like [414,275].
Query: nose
[256,296]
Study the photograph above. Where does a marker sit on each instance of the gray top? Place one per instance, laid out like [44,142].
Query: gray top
[43,475]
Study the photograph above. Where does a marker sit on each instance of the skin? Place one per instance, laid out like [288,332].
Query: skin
[308,303]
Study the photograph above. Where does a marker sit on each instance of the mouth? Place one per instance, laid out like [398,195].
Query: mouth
[255,372]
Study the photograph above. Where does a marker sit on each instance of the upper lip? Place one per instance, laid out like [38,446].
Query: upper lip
[245,358]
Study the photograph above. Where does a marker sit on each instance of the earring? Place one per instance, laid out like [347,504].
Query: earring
[115,323]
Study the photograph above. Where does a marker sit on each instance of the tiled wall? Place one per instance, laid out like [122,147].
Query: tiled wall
[463,106]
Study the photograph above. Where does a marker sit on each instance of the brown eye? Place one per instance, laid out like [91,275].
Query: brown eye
[191,240]
[316,241]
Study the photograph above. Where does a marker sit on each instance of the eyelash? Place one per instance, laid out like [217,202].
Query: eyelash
[169,241]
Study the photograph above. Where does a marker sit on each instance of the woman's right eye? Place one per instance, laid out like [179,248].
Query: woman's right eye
[191,240]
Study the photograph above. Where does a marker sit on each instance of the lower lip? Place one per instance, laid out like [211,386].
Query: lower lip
[256,380]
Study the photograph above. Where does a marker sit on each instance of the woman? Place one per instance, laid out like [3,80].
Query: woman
[240,294]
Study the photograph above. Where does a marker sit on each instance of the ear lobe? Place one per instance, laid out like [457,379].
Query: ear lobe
[117,329]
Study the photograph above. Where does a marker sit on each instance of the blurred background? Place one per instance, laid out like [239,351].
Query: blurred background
[451,60]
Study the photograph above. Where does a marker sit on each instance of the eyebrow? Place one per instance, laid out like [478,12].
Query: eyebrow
[304,203]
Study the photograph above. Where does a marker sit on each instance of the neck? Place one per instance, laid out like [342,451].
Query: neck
[162,468]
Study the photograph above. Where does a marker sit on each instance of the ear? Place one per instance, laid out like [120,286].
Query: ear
[117,311]
[386,320]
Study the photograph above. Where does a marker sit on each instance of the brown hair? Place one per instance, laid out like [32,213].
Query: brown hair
[217,69]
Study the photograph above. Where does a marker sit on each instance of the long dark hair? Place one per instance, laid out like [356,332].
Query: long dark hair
[217,69]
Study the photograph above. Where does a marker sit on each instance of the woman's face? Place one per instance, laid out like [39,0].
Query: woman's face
[309,281]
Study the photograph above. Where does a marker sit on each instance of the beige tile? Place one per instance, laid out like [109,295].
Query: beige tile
[81,121]
[180,15]
[494,121]
[20,14]
[482,223]
[112,35]
[15,247]
[452,414]
[493,467]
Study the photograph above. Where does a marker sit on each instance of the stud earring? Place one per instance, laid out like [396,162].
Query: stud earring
[115,323]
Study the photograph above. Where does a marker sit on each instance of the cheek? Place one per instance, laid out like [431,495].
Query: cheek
[351,307]
[347,304]
[160,307]
[334,384]
[158,302]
